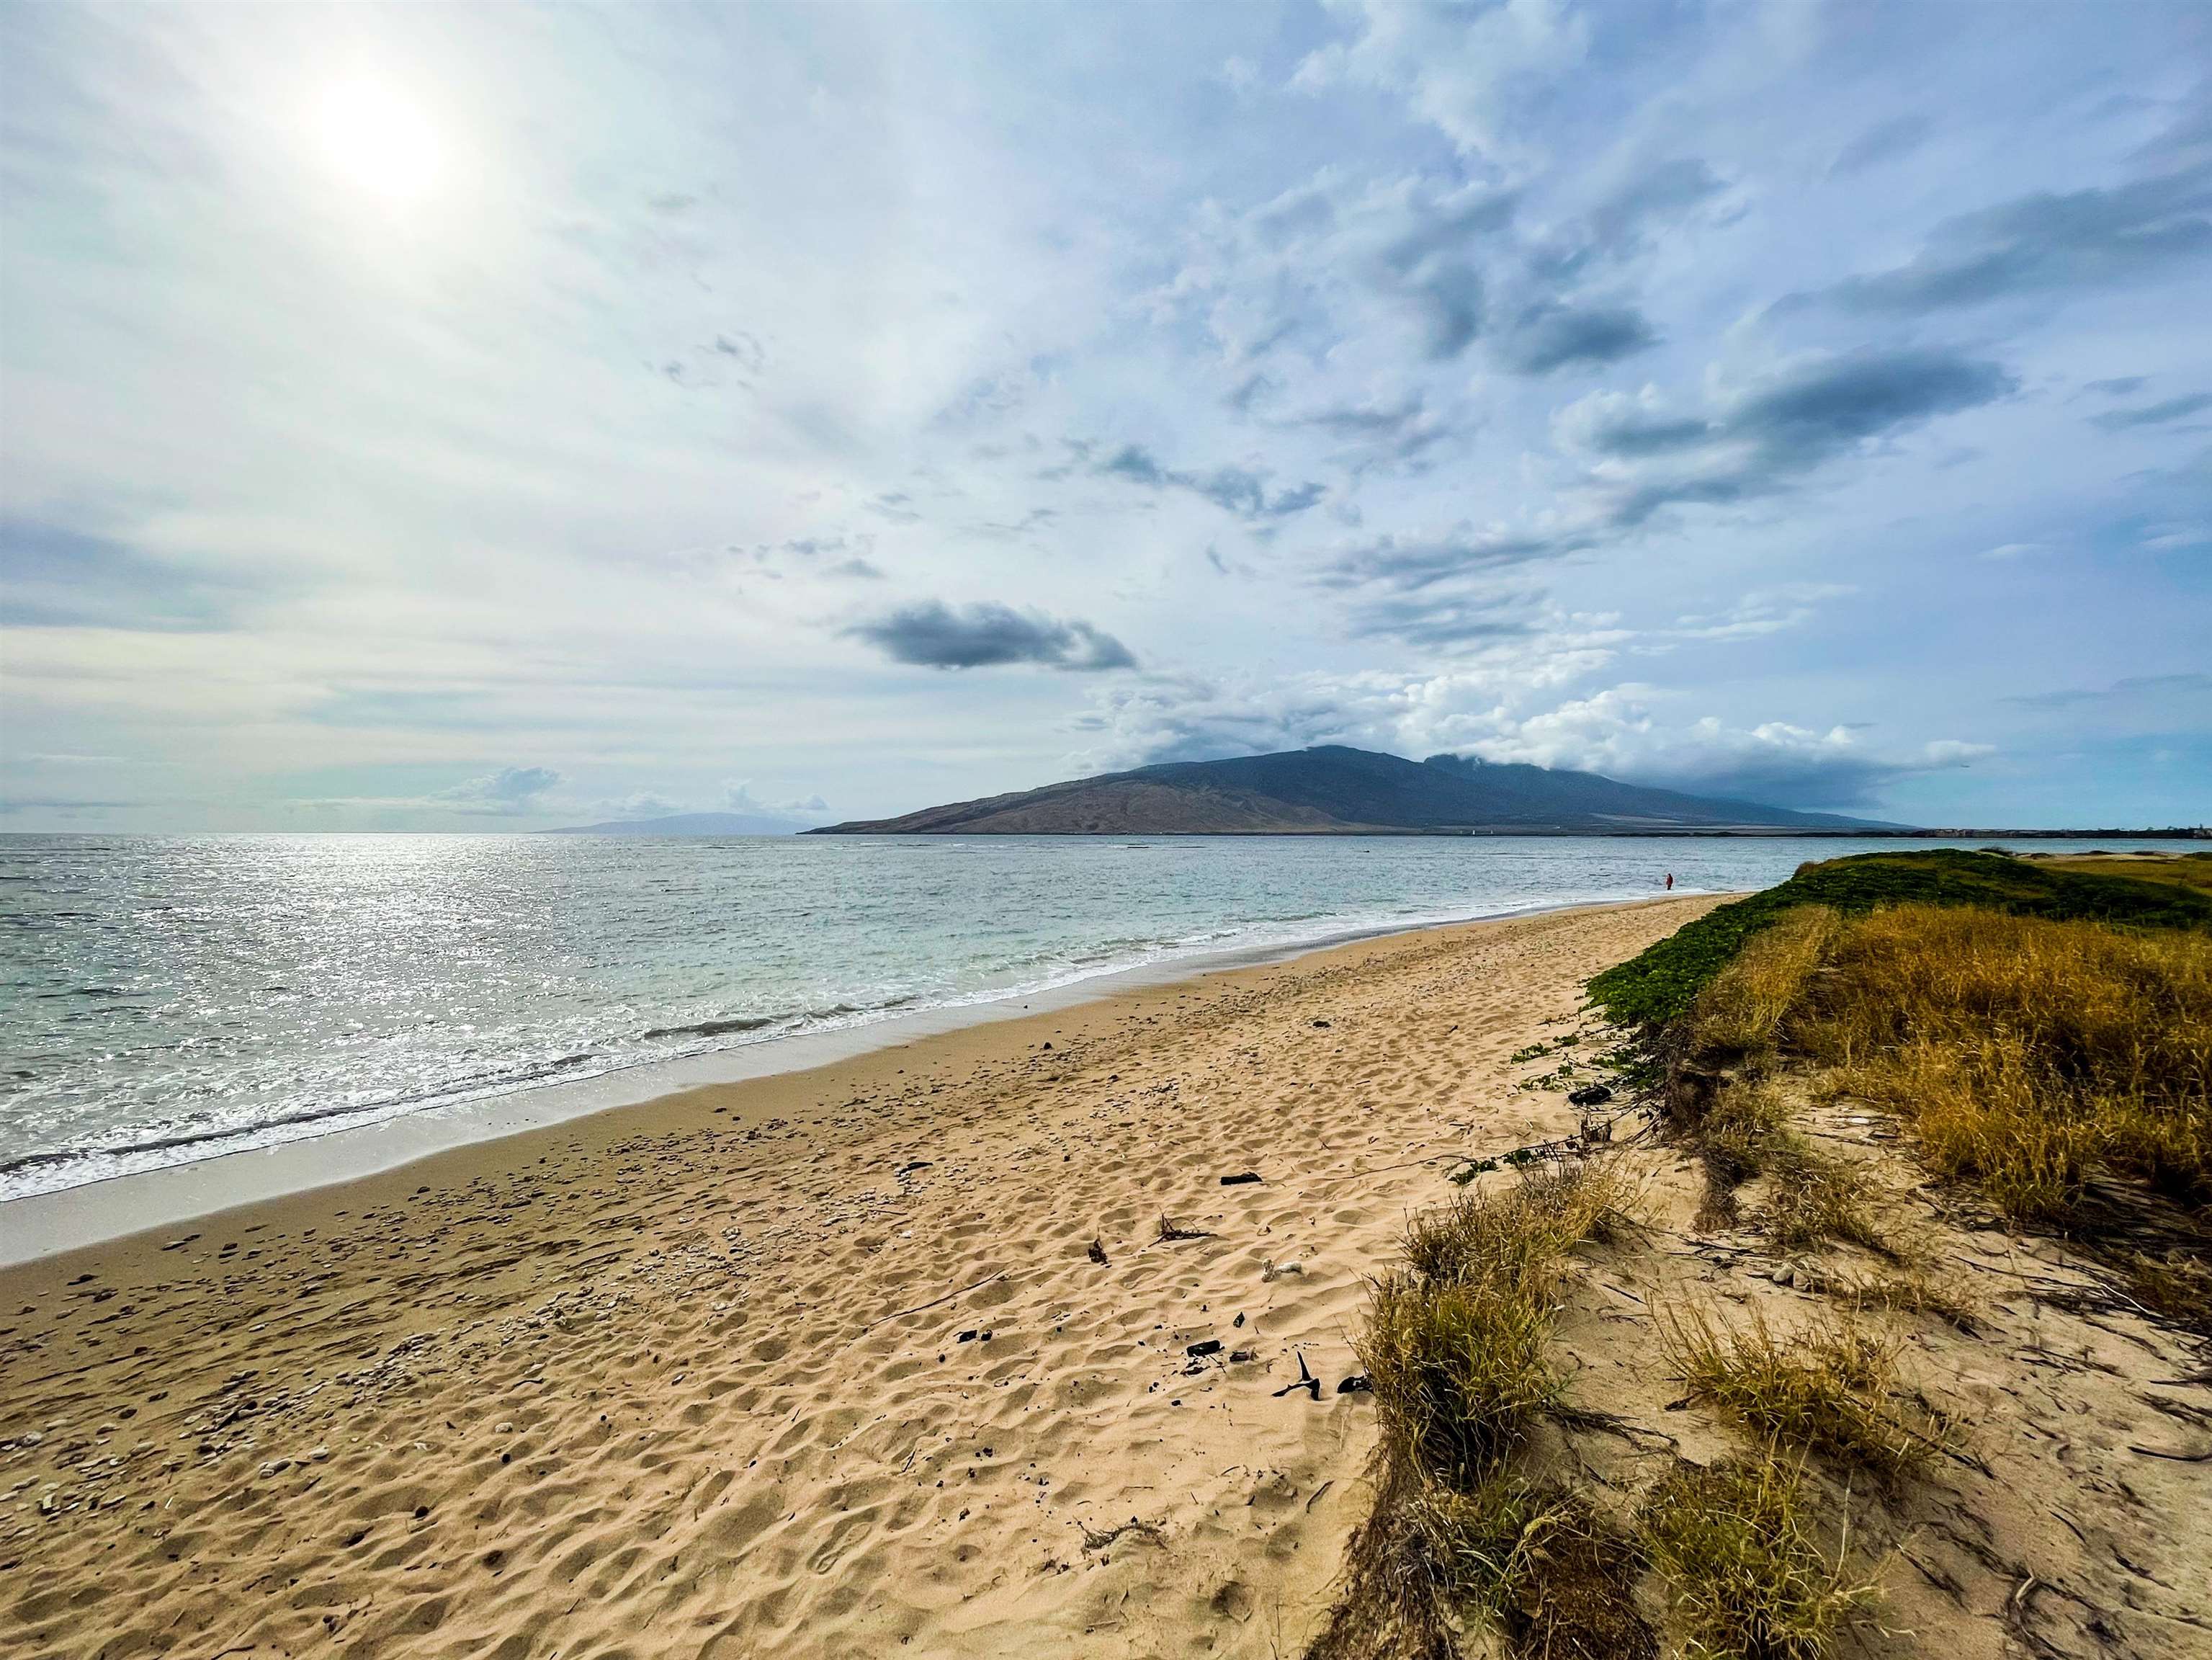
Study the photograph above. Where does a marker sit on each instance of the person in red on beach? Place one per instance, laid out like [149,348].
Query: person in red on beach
[1670,881]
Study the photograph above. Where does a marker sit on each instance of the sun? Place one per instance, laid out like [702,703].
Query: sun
[379,140]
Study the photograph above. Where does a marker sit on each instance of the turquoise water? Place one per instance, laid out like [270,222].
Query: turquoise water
[164,998]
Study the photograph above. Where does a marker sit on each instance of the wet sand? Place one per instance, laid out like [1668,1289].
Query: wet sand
[819,1363]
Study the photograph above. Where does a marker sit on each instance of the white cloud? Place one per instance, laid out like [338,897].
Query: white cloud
[1471,70]
[737,796]
[508,791]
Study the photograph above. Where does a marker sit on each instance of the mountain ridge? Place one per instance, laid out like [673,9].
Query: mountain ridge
[1335,790]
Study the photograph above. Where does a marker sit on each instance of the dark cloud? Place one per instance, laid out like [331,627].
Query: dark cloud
[1431,265]
[1617,230]
[54,577]
[2047,243]
[1816,782]
[1413,563]
[2152,415]
[1884,142]
[1233,490]
[1783,428]
[733,358]
[832,555]
[2165,691]
[936,635]
[1369,420]
[1397,430]
[1448,302]
[1446,620]
[895,505]
[1549,335]
[2119,387]
[1812,411]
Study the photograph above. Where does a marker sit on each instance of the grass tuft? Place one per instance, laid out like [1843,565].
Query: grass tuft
[1456,1346]
[1831,1388]
[1818,1198]
[1518,1232]
[1749,1578]
[1460,1368]
[1742,1130]
[1910,1290]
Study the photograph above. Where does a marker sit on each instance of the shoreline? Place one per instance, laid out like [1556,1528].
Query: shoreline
[988,1343]
[38,1225]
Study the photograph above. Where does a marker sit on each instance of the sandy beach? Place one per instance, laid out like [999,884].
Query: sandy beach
[813,1365]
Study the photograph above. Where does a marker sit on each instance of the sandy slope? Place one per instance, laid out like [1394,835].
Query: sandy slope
[690,1378]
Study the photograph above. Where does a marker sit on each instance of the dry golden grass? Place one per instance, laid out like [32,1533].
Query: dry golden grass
[2188,870]
[1818,1198]
[1831,1388]
[2027,1051]
[1517,1233]
[1538,1564]
[1746,1131]
[1457,1345]
[1749,1579]
[1460,1369]
[1741,1131]
[1456,1342]
[1741,1010]
[1911,1289]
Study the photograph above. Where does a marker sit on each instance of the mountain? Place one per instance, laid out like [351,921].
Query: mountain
[689,823]
[1335,790]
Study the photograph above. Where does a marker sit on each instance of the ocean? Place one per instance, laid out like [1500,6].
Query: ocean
[171,997]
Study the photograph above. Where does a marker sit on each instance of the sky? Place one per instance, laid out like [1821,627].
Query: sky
[447,418]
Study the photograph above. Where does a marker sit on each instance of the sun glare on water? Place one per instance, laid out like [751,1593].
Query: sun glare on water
[379,140]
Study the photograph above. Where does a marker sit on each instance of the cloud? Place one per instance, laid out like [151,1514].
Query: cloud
[732,358]
[1623,732]
[1233,490]
[508,792]
[1448,620]
[825,556]
[2160,697]
[2049,243]
[1548,336]
[1662,195]
[2152,415]
[53,577]
[1762,439]
[1772,611]
[1412,563]
[1885,141]
[1471,70]
[1196,717]
[936,635]
[737,796]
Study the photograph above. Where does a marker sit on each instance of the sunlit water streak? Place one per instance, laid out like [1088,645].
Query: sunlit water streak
[164,998]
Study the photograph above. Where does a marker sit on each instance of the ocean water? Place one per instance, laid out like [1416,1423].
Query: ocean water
[167,999]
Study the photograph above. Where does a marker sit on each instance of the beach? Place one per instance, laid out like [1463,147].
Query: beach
[818,1364]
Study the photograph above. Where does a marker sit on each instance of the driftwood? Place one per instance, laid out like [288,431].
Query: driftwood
[1307,1381]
